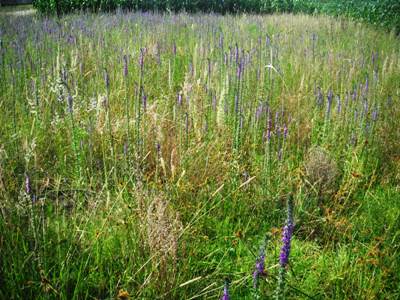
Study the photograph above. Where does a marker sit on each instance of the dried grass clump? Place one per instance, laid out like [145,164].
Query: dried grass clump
[321,171]
[162,229]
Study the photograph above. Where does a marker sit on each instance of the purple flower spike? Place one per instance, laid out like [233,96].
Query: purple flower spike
[107,79]
[144,102]
[158,147]
[225,295]
[70,102]
[287,235]
[179,99]
[125,65]
[260,268]
[285,131]
[141,58]
[286,239]
[339,104]
[174,48]
[374,115]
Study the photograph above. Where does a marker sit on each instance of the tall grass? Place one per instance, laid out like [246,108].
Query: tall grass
[149,155]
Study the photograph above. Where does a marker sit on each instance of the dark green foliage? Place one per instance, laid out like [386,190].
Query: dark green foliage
[385,13]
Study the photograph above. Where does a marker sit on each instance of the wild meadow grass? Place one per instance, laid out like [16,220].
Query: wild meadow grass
[153,156]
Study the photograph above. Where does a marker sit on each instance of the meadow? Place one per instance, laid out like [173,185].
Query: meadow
[159,156]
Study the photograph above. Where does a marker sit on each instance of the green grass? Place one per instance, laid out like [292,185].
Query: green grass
[163,181]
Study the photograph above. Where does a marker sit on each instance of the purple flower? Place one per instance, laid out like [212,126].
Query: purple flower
[259,111]
[236,103]
[285,131]
[125,65]
[260,268]
[286,239]
[179,99]
[174,48]
[225,295]
[339,104]
[267,41]
[374,114]
[70,102]
[107,79]
[158,147]
[239,70]
[144,98]
[354,95]
[366,87]
[287,235]
[141,58]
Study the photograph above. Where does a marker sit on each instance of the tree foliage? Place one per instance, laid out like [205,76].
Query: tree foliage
[385,13]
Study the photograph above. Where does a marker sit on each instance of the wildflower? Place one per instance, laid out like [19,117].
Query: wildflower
[70,102]
[144,99]
[260,267]
[285,131]
[374,114]
[225,295]
[339,104]
[285,250]
[179,99]
[107,79]
[141,59]
[125,66]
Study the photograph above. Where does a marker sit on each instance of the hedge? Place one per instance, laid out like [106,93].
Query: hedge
[385,13]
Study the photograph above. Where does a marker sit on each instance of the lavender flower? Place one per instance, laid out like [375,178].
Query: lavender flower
[70,102]
[158,148]
[144,99]
[366,87]
[179,99]
[285,250]
[285,131]
[174,48]
[141,59]
[286,239]
[260,267]
[236,103]
[107,79]
[267,41]
[339,104]
[374,114]
[125,65]
[259,111]
[225,295]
